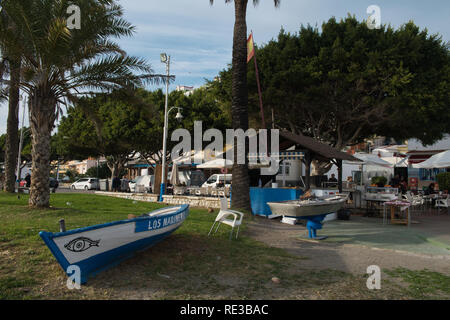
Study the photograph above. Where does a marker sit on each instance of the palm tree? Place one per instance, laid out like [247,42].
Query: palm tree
[60,65]
[239,111]
[11,64]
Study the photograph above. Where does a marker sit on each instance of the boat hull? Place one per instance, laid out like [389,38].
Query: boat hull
[99,247]
[295,209]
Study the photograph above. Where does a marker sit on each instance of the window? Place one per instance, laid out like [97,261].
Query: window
[212,179]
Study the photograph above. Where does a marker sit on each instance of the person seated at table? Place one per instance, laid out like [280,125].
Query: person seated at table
[430,189]
[403,185]
[332,182]
[395,181]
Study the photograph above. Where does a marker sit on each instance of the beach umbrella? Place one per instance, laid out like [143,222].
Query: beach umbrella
[368,159]
[440,160]
[371,159]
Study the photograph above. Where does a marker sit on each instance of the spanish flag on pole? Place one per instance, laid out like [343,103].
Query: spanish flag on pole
[250,48]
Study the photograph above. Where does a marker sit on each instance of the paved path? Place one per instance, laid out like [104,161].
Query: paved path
[356,244]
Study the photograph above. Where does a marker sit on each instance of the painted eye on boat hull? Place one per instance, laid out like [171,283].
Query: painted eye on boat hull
[81,244]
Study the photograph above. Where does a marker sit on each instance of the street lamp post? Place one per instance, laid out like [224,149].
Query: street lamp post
[165,59]
[179,117]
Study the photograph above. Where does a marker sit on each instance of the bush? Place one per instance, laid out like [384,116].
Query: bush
[379,181]
[103,171]
[443,179]
[72,174]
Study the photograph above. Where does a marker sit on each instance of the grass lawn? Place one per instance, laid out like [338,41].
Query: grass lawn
[187,265]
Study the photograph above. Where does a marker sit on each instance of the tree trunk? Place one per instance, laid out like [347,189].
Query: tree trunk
[42,118]
[241,181]
[12,131]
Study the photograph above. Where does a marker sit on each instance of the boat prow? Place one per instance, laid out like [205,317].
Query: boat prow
[95,248]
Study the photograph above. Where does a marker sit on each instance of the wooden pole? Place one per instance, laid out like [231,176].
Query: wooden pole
[263,124]
[339,162]
[260,94]
[308,170]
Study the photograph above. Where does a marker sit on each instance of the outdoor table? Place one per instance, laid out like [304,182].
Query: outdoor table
[371,205]
[398,206]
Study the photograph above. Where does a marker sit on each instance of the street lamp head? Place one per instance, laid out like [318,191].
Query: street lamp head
[163,57]
[179,116]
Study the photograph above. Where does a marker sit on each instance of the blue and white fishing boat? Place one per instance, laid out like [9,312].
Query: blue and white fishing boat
[96,248]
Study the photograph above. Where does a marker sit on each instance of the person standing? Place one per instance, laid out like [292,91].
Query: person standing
[28,180]
[403,185]
[116,184]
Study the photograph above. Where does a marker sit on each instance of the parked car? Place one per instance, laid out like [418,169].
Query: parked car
[218,180]
[86,184]
[147,182]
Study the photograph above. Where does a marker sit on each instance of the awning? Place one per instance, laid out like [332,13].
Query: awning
[440,160]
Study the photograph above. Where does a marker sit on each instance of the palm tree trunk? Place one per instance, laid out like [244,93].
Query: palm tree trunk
[42,118]
[12,131]
[241,181]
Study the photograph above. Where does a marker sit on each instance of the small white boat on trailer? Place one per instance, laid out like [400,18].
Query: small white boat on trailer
[96,248]
[308,207]
[313,210]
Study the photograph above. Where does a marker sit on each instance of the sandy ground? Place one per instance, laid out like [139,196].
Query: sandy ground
[353,258]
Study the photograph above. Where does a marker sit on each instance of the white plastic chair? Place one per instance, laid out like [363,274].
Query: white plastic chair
[414,200]
[443,203]
[223,215]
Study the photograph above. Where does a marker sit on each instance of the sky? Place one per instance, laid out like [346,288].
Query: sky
[199,37]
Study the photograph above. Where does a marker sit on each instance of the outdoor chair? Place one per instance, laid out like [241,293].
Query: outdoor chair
[443,203]
[223,217]
[415,200]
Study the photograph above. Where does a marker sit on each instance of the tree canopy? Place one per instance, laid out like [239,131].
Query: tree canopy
[345,82]
[122,124]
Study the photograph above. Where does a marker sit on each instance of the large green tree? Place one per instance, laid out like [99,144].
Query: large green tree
[239,98]
[108,125]
[345,83]
[122,124]
[61,64]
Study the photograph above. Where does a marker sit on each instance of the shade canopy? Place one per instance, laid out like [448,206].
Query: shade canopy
[370,159]
[440,160]
[397,162]
[216,164]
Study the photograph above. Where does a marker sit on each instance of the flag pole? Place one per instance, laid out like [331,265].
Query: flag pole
[259,89]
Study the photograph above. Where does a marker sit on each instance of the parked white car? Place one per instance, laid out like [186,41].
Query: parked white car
[86,184]
[142,184]
[217,180]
